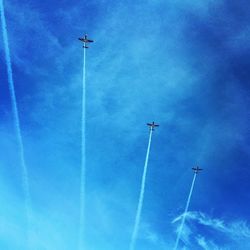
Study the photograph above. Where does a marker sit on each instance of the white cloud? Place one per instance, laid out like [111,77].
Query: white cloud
[233,229]
[32,37]
[238,231]
[206,245]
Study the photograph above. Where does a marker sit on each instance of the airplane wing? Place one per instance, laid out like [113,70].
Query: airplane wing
[90,41]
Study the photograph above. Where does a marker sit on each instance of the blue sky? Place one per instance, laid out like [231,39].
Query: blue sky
[184,64]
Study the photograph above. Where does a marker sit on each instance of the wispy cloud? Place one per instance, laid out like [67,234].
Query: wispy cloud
[236,230]
[155,241]
[151,60]
[233,229]
[206,245]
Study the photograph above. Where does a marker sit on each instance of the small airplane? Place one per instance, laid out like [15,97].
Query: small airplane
[152,125]
[85,41]
[197,169]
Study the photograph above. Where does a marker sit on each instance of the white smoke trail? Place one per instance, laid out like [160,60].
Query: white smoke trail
[25,179]
[83,156]
[141,198]
[184,214]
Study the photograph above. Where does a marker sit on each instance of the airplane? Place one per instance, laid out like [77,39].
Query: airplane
[197,169]
[152,125]
[85,41]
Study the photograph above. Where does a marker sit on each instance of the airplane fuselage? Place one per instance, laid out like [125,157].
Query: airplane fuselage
[152,125]
[85,41]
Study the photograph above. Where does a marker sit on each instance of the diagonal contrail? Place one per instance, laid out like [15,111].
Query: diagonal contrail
[183,219]
[25,179]
[141,198]
[83,156]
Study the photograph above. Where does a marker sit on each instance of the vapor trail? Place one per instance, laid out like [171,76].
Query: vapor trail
[185,213]
[141,198]
[25,179]
[83,156]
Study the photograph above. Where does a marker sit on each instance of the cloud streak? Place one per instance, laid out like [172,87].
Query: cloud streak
[141,198]
[183,217]
[83,156]
[25,178]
